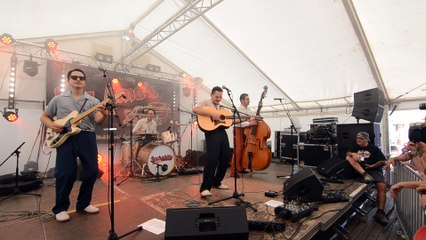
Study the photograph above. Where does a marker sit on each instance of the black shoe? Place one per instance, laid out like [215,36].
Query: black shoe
[380,217]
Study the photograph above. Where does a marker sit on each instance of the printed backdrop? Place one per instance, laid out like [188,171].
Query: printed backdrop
[156,94]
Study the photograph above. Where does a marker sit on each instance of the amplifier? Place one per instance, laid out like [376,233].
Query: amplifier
[315,154]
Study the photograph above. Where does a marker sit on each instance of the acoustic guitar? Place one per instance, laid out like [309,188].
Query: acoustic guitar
[207,123]
[70,122]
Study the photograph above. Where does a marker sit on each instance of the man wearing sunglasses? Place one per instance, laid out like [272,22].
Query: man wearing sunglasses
[82,145]
[368,160]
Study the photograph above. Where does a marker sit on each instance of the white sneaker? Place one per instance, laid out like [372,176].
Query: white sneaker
[91,209]
[62,216]
[206,193]
[222,186]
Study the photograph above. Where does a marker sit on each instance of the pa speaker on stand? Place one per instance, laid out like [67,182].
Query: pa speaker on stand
[369,105]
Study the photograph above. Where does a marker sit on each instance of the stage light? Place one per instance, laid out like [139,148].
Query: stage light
[115,81]
[7,39]
[11,115]
[153,68]
[103,58]
[30,67]
[51,45]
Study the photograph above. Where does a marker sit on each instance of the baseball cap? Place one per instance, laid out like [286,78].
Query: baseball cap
[364,134]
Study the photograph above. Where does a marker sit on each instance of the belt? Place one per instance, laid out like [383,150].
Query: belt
[87,130]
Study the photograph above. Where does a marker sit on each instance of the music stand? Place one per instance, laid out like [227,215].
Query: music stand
[235,194]
[16,189]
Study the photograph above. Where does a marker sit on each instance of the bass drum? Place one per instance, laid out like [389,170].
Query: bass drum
[157,157]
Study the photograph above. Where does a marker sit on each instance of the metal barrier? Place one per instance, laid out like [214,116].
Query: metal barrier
[407,204]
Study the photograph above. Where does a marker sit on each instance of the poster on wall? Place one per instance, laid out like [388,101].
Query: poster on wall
[141,93]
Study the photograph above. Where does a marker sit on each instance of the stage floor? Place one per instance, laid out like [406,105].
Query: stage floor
[137,201]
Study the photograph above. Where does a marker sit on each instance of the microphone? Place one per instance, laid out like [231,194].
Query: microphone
[169,128]
[100,68]
[227,89]
[279,98]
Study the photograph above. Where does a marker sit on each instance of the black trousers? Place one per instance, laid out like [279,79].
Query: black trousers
[218,157]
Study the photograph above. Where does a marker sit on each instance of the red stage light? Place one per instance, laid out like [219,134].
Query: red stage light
[51,45]
[7,39]
[11,116]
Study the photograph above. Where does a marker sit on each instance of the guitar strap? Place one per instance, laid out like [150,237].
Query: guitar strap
[81,109]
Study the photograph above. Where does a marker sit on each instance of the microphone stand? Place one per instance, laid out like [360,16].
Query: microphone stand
[112,235]
[291,134]
[235,195]
[16,189]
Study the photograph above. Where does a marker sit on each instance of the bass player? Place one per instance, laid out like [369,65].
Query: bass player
[82,145]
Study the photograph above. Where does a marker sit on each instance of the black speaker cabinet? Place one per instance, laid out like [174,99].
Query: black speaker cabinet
[336,168]
[368,105]
[346,135]
[303,186]
[315,154]
[289,146]
[206,223]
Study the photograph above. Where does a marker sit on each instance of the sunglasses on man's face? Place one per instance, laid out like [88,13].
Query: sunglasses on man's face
[82,78]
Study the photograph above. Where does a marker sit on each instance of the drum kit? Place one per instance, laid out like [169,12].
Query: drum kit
[153,154]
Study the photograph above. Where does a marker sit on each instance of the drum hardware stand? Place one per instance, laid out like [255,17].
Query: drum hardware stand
[235,194]
[16,189]
[132,159]
[294,162]
[111,107]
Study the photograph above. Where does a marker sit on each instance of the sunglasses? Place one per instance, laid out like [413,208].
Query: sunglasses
[82,78]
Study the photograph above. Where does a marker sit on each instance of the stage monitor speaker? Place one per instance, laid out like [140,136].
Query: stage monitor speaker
[206,223]
[369,105]
[303,186]
[346,135]
[335,168]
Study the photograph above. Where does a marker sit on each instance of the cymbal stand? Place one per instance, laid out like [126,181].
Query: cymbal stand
[235,194]
[132,162]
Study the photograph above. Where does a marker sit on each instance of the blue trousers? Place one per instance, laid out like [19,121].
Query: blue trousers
[82,145]
[218,157]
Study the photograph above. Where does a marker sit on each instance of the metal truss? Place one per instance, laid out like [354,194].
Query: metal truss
[191,11]
[40,53]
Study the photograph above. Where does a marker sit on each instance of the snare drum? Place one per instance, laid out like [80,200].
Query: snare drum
[157,157]
[168,137]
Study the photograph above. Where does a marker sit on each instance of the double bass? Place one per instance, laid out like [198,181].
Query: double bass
[256,155]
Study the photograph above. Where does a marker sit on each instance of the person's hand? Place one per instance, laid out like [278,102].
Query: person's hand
[421,189]
[369,166]
[56,127]
[389,162]
[394,190]
[216,115]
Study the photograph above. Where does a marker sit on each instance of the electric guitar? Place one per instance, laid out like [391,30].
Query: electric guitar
[70,122]
[207,123]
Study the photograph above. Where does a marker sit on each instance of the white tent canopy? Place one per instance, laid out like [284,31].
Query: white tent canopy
[315,54]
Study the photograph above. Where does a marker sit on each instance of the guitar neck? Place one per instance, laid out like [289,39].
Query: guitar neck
[84,114]
[90,110]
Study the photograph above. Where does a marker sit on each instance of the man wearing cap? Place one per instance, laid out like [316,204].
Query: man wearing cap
[368,160]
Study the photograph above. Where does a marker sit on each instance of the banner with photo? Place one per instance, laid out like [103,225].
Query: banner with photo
[141,93]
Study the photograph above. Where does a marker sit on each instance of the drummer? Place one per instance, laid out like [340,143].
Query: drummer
[146,130]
